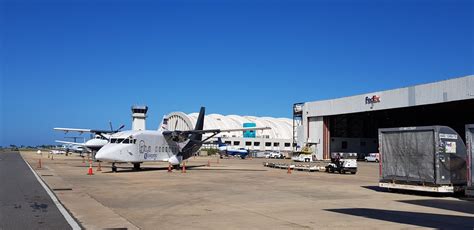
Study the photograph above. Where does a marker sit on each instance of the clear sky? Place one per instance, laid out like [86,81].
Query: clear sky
[82,63]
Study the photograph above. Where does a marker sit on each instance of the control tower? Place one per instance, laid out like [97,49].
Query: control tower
[139,117]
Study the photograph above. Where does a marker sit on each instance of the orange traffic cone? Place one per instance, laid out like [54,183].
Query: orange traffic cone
[183,170]
[169,168]
[90,173]
[99,168]
[39,163]
[289,169]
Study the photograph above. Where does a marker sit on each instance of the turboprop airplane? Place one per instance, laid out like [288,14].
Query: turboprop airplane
[161,145]
[101,138]
[225,150]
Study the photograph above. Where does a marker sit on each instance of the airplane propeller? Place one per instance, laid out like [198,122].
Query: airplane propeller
[112,128]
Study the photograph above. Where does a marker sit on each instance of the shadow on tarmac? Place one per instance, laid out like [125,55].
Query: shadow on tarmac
[453,205]
[429,220]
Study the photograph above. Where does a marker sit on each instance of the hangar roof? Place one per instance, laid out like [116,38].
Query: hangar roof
[438,92]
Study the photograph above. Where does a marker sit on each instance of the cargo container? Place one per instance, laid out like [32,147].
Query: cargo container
[428,158]
[470,161]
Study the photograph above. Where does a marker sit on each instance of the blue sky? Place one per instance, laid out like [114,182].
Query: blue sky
[82,63]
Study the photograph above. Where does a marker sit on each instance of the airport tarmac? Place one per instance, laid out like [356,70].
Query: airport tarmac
[240,194]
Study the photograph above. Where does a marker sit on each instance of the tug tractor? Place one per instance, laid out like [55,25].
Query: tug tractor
[342,165]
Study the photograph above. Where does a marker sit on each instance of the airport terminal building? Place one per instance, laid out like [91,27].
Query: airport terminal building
[278,138]
[351,124]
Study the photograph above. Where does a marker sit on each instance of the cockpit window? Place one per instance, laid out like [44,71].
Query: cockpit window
[116,140]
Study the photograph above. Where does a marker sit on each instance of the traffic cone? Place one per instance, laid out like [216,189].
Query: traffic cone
[208,163]
[99,168]
[90,173]
[183,170]
[39,163]
[289,169]
[169,168]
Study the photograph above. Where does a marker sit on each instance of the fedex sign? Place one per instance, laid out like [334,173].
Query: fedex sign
[372,100]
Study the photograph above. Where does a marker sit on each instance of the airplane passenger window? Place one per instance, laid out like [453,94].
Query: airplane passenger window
[126,141]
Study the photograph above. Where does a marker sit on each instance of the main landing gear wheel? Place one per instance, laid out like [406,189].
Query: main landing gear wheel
[114,168]
[136,166]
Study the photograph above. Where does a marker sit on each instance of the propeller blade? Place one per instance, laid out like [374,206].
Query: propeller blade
[111,128]
[121,127]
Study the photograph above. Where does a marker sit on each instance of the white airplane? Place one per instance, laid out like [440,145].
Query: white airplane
[162,145]
[225,150]
[101,138]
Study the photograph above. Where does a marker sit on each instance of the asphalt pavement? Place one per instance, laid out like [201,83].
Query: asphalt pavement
[24,203]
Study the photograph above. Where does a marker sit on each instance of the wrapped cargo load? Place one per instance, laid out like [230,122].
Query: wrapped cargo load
[470,157]
[428,158]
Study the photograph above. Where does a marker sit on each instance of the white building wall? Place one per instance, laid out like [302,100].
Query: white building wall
[316,135]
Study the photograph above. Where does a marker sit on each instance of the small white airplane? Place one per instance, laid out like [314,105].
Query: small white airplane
[161,145]
[101,138]
[225,150]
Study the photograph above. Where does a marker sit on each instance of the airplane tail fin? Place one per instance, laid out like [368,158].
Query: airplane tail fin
[200,124]
[220,143]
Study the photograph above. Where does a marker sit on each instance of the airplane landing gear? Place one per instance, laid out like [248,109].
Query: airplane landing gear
[177,167]
[136,166]
[114,168]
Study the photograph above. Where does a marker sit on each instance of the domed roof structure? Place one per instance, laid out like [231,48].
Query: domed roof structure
[281,128]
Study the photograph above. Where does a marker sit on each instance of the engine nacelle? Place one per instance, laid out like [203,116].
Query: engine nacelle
[175,160]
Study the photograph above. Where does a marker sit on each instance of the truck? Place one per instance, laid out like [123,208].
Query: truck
[276,155]
[305,155]
[425,158]
[470,163]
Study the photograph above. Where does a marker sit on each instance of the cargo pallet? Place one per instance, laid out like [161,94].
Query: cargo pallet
[437,189]
[299,167]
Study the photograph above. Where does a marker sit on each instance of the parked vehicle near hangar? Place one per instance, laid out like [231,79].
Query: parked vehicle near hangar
[428,158]
[276,155]
[373,157]
[342,163]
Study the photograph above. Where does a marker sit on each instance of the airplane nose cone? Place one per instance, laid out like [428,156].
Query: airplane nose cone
[110,152]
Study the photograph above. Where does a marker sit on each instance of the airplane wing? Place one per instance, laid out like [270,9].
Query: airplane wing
[96,131]
[180,136]
[71,143]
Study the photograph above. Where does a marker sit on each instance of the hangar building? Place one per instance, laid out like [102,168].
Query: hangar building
[351,124]
[279,137]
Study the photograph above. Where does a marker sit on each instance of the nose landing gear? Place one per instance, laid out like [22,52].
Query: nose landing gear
[136,166]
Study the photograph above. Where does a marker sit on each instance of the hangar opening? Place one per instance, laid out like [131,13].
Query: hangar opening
[350,124]
[358,132]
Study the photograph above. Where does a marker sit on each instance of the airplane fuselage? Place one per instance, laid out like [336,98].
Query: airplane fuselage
[138,147]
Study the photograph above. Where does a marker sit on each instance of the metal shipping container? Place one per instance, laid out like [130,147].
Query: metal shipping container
[428,158]
[470,162]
